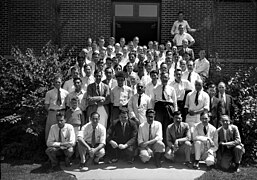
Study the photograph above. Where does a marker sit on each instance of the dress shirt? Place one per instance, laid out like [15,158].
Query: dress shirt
[86,81]
[139,111]
[78,95]
[179,37]
[120,95]
[169,94]
[143,132]
[203,101]
[67,132]
[51,98]
[224,97]
[149,90]
[69,85]
[181,87]
[174,29]
[87,130]
[202,67]
[112,83]
[212,133]
[194,76]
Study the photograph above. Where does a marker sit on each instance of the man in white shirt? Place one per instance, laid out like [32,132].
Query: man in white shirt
[190,75]
[177,40]
[55,101]
[149,90]
[181,21]
[205,138]
[182,88]
[60,141]
[138,104]
[150,139]
[69,85]
[92,139]
[165,102]
[197,102]
[202,65]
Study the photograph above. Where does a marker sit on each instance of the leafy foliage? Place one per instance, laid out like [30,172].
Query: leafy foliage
[24,81]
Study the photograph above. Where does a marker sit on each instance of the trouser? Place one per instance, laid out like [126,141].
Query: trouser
[201,152]
[83,151]
[226,155]
[157,147]
[183,148]
[127,153]
[53,152]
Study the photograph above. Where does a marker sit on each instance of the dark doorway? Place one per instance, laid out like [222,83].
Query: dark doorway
[146,31]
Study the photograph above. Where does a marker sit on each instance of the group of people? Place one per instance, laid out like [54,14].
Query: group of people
[145,101]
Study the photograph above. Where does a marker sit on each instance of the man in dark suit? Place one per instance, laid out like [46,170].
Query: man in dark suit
[98,98]
[230,147]
[215,106]
[186,49]
[178,139]
[122,138]
[227,102]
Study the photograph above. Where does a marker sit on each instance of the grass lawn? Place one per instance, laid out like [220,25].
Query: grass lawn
[246,173]
[27,171]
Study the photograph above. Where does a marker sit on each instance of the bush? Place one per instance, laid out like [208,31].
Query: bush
[24,80]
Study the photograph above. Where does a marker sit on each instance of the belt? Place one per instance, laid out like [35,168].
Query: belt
[56,109]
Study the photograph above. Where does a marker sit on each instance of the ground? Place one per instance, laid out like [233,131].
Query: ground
[121,170]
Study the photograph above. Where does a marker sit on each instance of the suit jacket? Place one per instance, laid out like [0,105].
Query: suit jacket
[216,111]
[227,108]
[93,97]
[172,135]
[233,135]
[189,51]
[115,133]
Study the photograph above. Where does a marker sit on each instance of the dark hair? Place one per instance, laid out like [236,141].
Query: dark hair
[93,113]
[116,65]
[203,113]
[86,65]
[177,113]
[124,111]
[60,114]
[154,72]
[108,69]
[120,74]
[77,78]
[108,59]
[212,86]
[98,71]
[148,111]
[180,12]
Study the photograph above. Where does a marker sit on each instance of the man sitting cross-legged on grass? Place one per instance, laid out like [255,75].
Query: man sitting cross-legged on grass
[122,138]
[60,141]
[150,139]
[91,139]
[178,139]
[230,147]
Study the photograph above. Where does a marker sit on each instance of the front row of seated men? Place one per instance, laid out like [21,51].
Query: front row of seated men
[124,138]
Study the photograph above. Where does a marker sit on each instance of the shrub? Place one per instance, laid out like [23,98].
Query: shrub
[24,80]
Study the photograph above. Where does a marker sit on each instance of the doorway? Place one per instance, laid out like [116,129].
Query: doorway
[146,31]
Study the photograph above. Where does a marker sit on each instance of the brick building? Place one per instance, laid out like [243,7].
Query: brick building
[229,27]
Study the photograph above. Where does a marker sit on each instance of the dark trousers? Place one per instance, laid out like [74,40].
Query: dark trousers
[117,153]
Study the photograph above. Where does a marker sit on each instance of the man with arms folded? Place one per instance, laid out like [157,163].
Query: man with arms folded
[122,137]
[91,140]
[178,139]
[230,147]
[60,141]
[205,138]
[150,139]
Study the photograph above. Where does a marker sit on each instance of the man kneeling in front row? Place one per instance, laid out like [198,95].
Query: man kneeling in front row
[91,139]
[230,147]
[178,139]
[61,140]
[150,139]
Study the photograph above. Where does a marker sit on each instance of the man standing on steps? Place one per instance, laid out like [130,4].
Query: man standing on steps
[150,139]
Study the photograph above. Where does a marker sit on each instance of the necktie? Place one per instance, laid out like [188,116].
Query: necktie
[93,138]
[59,100]
[178,130]
[196,97]
[139,100]
[60,135]
[189,77]
[98,89]
[123,128]
[150,132]
[163,96]
[204,130]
